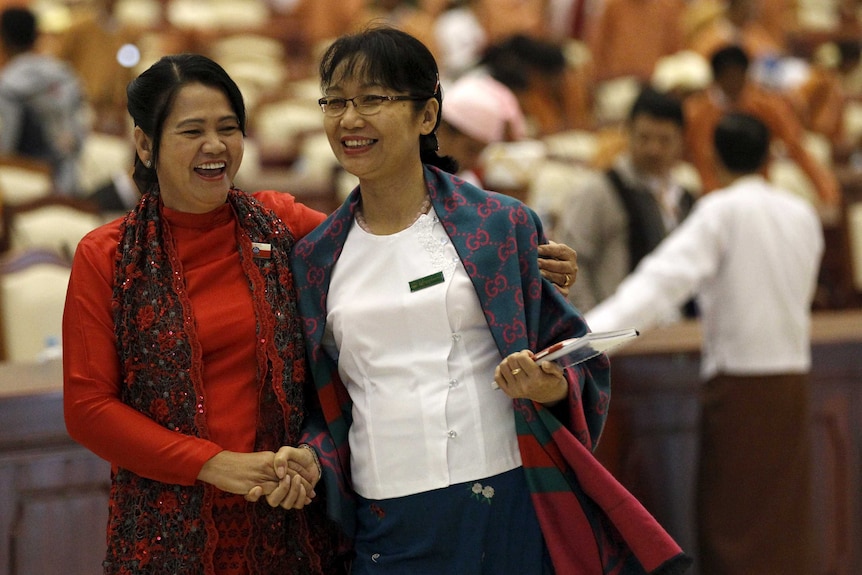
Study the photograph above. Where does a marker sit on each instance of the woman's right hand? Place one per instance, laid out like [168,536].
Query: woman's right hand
[239,473]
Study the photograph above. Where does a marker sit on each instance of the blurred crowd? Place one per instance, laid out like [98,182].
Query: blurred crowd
[538,93]
[573,64]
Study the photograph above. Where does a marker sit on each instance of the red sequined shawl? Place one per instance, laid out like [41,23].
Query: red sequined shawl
[156,527]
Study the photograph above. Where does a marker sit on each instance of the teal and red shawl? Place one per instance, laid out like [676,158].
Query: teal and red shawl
[591,524]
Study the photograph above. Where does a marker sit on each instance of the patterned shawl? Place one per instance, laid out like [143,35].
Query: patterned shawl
[163,528]
[592,525]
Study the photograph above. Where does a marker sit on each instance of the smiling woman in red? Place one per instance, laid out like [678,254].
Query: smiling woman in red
[183,357]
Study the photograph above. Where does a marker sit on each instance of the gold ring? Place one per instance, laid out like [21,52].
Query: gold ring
[516,371]
[568,281]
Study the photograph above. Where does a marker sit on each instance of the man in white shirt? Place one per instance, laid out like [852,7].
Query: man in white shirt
[750,253]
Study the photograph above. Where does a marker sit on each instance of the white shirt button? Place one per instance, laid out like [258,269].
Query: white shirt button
[452,434]
[453,383]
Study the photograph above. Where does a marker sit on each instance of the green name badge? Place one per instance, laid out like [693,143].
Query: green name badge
[427,281]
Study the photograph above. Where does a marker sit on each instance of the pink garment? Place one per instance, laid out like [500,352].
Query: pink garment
[484,109]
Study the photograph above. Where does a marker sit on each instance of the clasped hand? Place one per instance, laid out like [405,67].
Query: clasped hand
[286,478]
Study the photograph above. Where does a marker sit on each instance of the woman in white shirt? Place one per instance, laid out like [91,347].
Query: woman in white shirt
[445,447]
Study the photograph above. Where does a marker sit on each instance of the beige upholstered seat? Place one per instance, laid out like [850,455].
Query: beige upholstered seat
[140,14]
[854,233]
[247,46]
[55,223]
[512,165]
[614,99]
[821,15]
[279,127]
[32,296]
[217,14]
[256,63]
[551,188]
[576,146]
[683,72]
[104,155]
[787,174]
[23,179]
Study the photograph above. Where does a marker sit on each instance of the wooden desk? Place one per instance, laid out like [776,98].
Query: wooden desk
[651,441]
[53,492]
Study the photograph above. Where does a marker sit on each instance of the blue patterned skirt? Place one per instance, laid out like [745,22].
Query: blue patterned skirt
[485,527]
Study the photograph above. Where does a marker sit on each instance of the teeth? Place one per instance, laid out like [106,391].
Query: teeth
[358,143]
[212,166]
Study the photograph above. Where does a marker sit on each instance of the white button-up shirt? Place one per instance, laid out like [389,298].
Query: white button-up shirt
[751,254]
[418,365]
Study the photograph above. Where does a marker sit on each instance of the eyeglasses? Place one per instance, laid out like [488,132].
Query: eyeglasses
[366,104]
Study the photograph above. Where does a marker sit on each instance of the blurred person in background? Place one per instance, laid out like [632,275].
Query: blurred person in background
[821,99]
[91,42]
[759,26]
[479,111]
[628,37]
[43,112]
[416,17]
[466,28]
[732,90]
[750,253]
[553,93]
[620,215]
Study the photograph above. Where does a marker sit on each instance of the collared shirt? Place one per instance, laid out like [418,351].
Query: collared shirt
[666,191]
[594,220]
[425,415]
[751,254]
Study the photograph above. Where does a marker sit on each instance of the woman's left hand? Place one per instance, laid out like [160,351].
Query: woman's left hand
[521,377]
[559,264]
[298,471]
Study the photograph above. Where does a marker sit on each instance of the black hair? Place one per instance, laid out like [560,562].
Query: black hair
[511,60]
[396,60]
[151,95]
[18,29]
[849,49]
[659,105]
[728,57]
[741,142]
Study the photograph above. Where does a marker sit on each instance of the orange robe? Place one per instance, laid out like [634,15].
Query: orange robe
[504,18]
[630,36]
[708,29]
[821,102]
[703,112]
